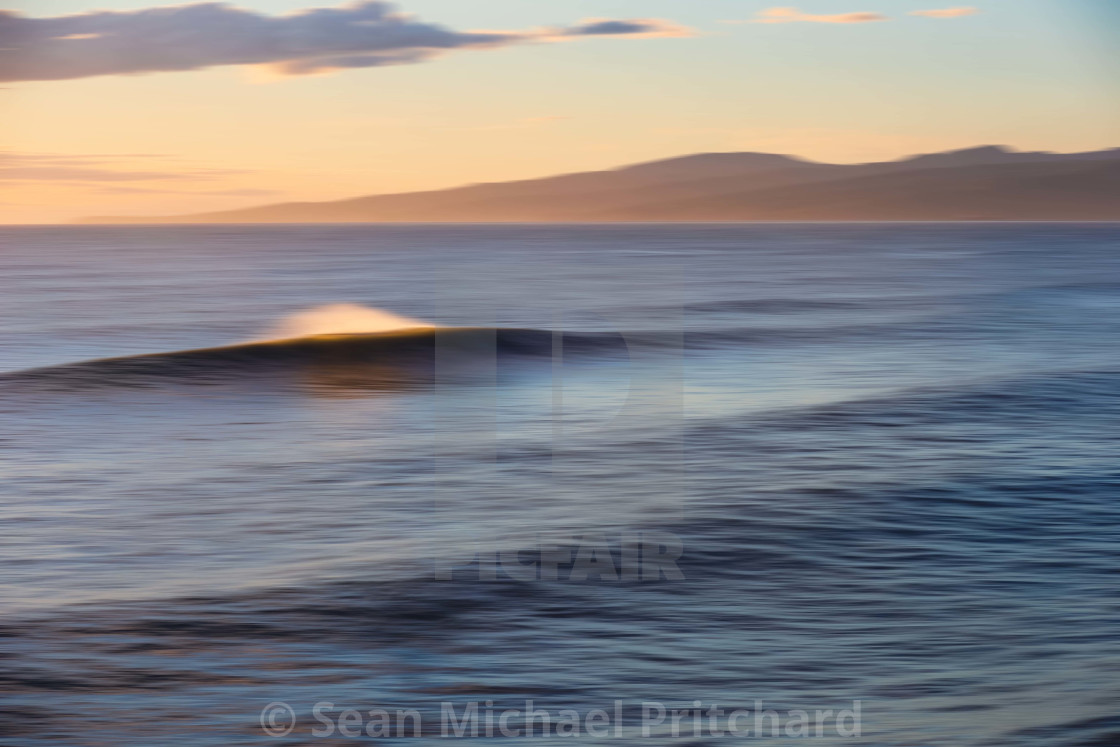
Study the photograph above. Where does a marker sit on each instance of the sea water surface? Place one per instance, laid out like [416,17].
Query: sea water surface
[888,453]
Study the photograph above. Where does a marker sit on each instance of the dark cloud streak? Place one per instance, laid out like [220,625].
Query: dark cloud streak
[369,33]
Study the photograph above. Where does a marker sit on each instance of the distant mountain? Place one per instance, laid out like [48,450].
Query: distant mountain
[985,183]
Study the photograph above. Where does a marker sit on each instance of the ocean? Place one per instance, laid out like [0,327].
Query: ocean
[255,477]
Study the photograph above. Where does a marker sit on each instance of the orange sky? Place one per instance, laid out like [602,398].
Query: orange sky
[1029,73]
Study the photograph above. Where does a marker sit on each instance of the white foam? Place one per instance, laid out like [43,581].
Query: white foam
[342,319]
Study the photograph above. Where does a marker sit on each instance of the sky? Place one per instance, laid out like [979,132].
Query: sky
[163,108]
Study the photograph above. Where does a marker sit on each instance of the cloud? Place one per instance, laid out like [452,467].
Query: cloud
[52,168]
[368,33]
[793,15]
[946,12]
[642,28]
[249,192]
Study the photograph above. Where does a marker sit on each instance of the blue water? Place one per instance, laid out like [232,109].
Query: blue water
[887,452]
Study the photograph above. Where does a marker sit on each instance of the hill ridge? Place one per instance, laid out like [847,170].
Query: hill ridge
[989,182]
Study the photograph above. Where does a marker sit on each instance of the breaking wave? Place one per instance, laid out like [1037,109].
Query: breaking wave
[396,358]
[342,319]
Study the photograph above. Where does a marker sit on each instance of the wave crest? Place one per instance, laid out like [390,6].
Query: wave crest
[342,319]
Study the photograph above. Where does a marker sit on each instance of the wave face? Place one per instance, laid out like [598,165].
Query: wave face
[408,356]
[887,452]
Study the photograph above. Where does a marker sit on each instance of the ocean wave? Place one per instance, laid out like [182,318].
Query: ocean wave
[395,358]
